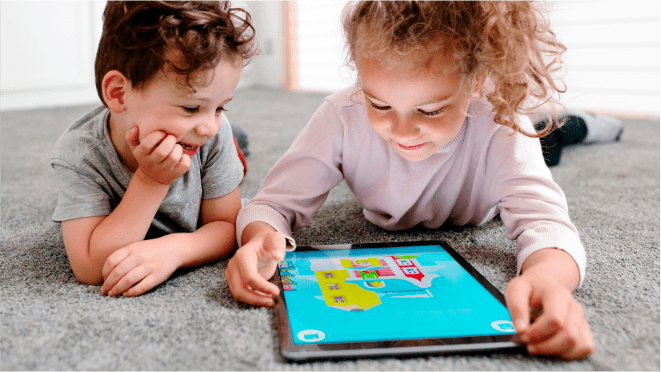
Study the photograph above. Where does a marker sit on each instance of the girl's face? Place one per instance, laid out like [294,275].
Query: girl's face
[416,113]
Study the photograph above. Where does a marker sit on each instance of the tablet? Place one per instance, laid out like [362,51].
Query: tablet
[341,301]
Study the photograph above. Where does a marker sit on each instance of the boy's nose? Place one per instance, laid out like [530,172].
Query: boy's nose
[208,127]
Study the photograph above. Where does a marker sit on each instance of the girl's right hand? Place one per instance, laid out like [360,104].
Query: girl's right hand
[160,158]
[253,264]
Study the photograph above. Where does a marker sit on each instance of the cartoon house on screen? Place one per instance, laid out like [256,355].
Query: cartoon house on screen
[353,284]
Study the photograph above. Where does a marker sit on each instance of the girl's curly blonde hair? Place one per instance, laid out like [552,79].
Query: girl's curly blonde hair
[508,42]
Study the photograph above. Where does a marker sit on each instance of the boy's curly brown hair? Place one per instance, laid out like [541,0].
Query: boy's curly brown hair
[510,42]
[137,35]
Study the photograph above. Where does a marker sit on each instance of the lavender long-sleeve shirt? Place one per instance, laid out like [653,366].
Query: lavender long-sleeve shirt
[484,171]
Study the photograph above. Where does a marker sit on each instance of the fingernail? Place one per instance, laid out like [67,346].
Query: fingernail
[519,325]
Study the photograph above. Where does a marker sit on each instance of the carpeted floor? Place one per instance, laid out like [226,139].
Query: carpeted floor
[51,322]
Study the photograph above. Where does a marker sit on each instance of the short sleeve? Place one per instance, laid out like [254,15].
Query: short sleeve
[221,168]
[79,195]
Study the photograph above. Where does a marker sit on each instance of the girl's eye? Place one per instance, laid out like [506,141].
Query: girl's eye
[191,109]
[220,109]
[380,108]
[431,113]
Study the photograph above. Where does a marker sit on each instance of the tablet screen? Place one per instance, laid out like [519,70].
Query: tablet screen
[392,293]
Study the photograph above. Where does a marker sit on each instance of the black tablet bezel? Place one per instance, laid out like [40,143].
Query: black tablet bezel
[488,343]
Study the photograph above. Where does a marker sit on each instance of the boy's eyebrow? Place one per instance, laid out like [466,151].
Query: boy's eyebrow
[207,99]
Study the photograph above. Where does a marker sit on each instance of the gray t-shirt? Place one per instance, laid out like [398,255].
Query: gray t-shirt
[92,179]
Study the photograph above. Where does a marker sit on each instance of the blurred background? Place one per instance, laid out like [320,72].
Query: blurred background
[48,48]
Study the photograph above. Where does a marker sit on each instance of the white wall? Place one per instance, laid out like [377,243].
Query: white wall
[613,54]
[612,60]
[47,52]
[48,49]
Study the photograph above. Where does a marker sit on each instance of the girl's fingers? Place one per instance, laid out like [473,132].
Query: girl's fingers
[556,316]
[572,342]
[517,297]
[242,292]
[275,245]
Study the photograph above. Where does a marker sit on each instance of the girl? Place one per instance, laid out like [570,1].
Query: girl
[433,132]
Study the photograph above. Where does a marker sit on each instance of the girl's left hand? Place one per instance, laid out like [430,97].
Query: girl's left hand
[138,267]
[561,329]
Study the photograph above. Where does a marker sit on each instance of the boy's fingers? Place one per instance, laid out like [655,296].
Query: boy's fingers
[185,161]
[175,154]
[127,281]
[143,286]
[132,137]
[111,262]
[149,144]
[517,296]
[164,147]
[118,274]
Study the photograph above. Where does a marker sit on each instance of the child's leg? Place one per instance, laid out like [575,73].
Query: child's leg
[241,143]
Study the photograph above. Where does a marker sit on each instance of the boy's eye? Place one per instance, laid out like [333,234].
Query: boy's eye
[191,109]
[431,113]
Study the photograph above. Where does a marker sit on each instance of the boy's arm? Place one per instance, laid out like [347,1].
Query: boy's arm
[139,267]
[548,278]
[90,241]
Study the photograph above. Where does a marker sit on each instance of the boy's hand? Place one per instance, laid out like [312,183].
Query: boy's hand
[253,264]
[561,329]
[138,267]
[160,158]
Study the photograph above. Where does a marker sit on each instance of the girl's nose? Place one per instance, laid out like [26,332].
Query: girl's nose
[403,127]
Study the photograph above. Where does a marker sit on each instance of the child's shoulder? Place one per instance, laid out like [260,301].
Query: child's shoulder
[481,115]
[345,97]
[83,135]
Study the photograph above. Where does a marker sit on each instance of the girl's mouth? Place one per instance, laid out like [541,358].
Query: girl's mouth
[410,148]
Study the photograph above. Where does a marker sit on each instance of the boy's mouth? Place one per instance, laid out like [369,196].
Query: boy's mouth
[187,147]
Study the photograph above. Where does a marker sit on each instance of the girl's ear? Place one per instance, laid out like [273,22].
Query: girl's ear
[478,84]
[115,86]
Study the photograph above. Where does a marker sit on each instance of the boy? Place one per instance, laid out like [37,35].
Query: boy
[149,183]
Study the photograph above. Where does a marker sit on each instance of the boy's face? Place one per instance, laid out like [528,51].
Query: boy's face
[167,104]
[417,113]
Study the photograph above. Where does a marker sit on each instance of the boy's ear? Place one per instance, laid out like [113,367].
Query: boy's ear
[115,86]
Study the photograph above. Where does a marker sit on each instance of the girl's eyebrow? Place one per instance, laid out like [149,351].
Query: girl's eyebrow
[439,100]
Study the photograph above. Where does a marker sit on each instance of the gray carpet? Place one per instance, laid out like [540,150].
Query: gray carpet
[51,322]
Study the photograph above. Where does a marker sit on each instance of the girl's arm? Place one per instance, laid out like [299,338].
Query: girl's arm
[254,263]
[548,278]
